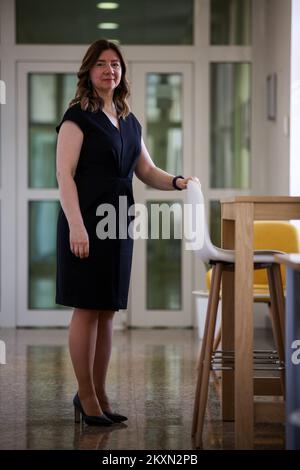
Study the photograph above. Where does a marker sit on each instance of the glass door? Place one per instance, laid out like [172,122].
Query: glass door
[162,268]
[44,92]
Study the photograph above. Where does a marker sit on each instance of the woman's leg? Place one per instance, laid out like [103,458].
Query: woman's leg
[102,356]
[82,345]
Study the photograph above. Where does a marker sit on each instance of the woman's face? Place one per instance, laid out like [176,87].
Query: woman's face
[106,74]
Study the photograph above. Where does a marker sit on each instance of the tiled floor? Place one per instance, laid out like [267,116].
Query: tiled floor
[151,380]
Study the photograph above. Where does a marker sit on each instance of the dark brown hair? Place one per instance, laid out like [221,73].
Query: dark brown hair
[85,93]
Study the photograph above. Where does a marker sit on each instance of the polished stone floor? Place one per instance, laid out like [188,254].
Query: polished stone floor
[151,380]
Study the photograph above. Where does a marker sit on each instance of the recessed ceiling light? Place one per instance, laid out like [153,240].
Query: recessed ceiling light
[108,5]
[108,26]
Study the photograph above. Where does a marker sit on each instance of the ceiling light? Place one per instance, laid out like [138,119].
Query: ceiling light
[108,5]
[108,26]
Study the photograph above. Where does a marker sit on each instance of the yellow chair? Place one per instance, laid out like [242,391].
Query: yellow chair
[271,235]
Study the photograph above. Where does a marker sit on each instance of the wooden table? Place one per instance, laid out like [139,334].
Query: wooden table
[238,215]
[292,341]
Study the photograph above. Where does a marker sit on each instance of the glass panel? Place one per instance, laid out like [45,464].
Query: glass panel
[163,262]
[49,96]
[230,106]
[230,22]
[215,222]
[68,86]
[42,98]
[78,22]
[164,120]
[42,172]
[42,253]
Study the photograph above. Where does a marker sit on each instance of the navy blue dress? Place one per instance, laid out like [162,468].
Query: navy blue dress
[104,172]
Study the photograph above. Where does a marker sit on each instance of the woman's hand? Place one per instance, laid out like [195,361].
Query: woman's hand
[182,183]
[79,240]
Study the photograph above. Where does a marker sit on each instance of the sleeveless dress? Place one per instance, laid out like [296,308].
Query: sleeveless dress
[104,172]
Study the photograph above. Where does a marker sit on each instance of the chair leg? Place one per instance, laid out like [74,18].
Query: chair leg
[207,350]
[201,353]
[275,286]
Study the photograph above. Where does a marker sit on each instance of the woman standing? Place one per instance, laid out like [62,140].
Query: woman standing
[99,148]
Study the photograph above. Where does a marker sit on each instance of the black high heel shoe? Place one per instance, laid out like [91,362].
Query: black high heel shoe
[115,417]
[102,420]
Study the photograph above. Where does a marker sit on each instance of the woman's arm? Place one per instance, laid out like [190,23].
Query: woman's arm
[153,176]
[69,143]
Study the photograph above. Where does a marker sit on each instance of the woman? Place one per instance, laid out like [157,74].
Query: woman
[99,147]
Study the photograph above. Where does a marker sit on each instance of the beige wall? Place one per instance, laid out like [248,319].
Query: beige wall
[295,102]
[271,54]
[270,145]
[277,55]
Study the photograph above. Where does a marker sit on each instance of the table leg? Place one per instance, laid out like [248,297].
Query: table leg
[227,323]
[244,326]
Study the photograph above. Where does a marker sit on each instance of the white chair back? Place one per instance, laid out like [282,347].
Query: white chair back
[197,222]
